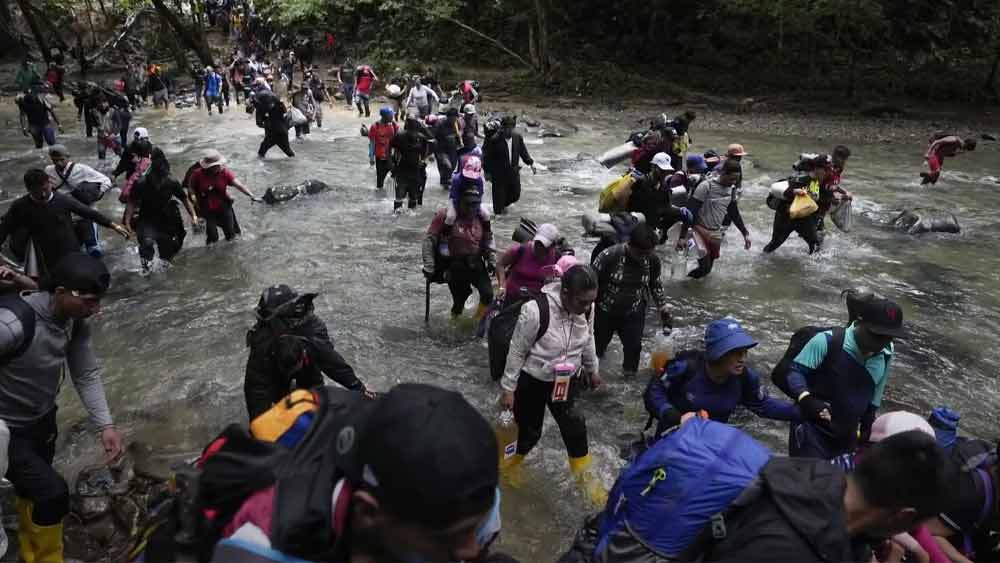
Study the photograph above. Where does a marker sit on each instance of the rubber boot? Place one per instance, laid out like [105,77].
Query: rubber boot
[512,471]
[480,312]
[588,482]
[24,524]
[39,544]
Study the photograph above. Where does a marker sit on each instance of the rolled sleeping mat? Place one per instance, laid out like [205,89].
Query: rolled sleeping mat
[778,189]
[602,224]
[678,196]
[525,231]
[617,154]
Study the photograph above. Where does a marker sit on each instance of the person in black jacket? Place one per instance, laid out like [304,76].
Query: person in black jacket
[807,510]
[502,156]
[271,117]
[290,343]
[47,217]
[447,134]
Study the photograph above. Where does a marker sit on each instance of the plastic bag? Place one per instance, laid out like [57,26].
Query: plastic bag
[802,206]
[296,117]
[663,352]
[615,196]
[842,217]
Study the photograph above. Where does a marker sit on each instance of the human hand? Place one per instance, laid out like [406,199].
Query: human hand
[746,242]
[112,441]
[533,169]
[687,416]
[507,399]
[122,230]
[814,409]
[799,191]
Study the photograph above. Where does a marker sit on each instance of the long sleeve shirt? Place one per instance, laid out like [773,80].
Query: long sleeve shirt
[570,338]
[30,383]
[626,281]
[712,202]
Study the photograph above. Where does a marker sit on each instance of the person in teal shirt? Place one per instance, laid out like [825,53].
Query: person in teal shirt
[838,380]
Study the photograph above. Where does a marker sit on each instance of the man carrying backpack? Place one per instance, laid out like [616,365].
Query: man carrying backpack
[709,492]
[545,368]
[289,342]
[44,333]
[838,379]
[627,273]
[716,381]
[84,184]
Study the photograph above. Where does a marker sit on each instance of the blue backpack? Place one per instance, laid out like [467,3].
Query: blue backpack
[688,479]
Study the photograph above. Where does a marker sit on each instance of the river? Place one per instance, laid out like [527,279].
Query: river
[173,343]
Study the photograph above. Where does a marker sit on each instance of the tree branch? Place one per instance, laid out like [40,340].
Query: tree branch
[496,43]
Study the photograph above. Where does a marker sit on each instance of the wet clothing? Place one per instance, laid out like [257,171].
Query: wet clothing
[685,387]
[160,224]
[627,283]
[447,135]
[653,201]
[853,387]
[529,371]
[713,206]
[50,225]
[266,383]
[271,117]
[628,325]
[784,225]
[527,274]
[211,190]
[213,91]
[363,81]
[75,176]
[410,171]
[798,517]
[469,255]
[420,99]
[470,128]
[501,161]
[31,451]
[380,137]
[36,111]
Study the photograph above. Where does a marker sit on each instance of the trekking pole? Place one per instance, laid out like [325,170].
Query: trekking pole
[427,302]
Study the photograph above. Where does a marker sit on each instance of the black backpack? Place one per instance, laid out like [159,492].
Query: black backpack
[502,330]
[26,315]
[798,341]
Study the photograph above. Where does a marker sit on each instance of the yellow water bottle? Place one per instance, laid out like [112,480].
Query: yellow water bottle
[663,352]
[506,431]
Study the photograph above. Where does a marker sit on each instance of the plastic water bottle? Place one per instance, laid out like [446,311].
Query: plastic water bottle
[663,352]
[506,432]
[443,249]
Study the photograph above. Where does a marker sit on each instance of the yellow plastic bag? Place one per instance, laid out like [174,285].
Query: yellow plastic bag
[802,206]
[614,196]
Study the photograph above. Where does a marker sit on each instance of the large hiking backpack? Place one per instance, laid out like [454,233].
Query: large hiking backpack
[798,341]
[502,327]
[673,499]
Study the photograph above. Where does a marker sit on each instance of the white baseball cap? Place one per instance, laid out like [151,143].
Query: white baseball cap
[893,423]
[140,133]
[662,161]
[547,234]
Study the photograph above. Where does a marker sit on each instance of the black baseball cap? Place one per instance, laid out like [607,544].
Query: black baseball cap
[279,298]
[882,317]
[426,453]
[79,272]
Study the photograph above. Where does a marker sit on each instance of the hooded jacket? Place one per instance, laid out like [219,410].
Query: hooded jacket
[799,518]
[570,338]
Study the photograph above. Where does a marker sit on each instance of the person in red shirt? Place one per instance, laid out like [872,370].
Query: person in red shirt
[379,150]
[940,147]
[210,182]
[364,78]
[463,256]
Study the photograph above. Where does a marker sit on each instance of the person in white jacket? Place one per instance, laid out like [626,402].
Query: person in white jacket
[420,101]
[549,371]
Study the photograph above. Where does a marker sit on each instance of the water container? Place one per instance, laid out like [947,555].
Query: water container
[443,249]
[506,431]
[663,352]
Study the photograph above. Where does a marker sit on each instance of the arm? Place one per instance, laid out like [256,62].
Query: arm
[128,214]
[521,343]
[756,399]
[693,208]
[657,400]
[655,285]
[182,196]
[86,375]
[16,280]
[52,114]
[507,259]
[257,383]
[588,356]
[808,360]
[82,210]
[734,214]
[523,151]
[331,363]
[239,186]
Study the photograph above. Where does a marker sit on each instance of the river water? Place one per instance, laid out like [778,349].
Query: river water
[173,343]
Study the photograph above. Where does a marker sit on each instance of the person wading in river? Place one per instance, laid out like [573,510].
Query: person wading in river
[942,146]
[43,334]
[548,371]
[210,182]
[502,157]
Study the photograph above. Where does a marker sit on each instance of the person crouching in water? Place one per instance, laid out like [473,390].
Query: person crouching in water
[210,183]
[462,256]
[942,146]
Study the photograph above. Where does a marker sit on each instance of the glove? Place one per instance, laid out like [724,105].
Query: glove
[670,418]
[810,407]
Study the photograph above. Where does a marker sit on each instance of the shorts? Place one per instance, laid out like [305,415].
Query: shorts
[160,97]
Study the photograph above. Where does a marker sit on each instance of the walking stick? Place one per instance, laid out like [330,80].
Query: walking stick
[427,302]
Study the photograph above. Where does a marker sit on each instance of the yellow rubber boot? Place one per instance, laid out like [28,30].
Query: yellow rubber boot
[24,527]
[480,312]
[588,482]
[512,471]
[39,544]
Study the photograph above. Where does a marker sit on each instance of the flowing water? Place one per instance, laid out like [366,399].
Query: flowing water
[173,343]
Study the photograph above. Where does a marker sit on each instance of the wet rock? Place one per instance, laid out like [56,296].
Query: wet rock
[91,507]
[988,137]
[919,221]
[532,122]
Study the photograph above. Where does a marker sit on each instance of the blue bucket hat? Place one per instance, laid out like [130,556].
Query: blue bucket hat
[724,336]
[386,111]
[696,163]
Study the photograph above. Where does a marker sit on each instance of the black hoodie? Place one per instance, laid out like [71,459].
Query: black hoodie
[799,518]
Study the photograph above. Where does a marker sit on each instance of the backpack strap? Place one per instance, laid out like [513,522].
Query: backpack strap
[543,316]
[26,315]
[834,344]
[64,177]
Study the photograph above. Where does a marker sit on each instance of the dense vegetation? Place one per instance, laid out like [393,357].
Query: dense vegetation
[919,48]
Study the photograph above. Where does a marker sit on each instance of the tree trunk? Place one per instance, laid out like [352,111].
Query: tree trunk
[9,36]
[542,37]
[187,38]
[90,22]
[852,64]
[36,30]
[990,80]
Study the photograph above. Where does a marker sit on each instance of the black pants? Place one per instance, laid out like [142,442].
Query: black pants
[530,399]
[446,162]
[464,273]
[274,138]
[30,469]
[301,130]
[363,101]
[408,187]
[629,327]
[382,168]
[784,226]
[224,219]
[153,236]
[704,267]
[213,100]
